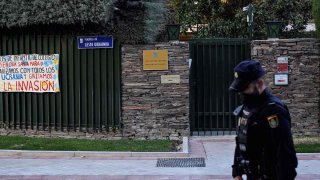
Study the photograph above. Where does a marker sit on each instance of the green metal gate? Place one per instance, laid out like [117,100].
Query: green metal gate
[89,97]
[211,103]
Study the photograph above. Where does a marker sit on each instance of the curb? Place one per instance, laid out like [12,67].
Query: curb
[95,154]
[315,154]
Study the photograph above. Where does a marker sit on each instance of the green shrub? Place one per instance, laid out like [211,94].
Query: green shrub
[20,13]
[228,19]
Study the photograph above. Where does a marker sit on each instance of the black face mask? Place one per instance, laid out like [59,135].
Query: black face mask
[250,99]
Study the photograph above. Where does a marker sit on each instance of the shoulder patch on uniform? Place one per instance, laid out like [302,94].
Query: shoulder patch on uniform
[273,121]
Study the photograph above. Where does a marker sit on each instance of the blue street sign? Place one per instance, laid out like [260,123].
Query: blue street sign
[94,42]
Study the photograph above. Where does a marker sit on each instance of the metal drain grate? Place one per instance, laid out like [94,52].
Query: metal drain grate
[181,162]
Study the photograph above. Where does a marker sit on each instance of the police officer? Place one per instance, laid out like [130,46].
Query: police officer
[264,145]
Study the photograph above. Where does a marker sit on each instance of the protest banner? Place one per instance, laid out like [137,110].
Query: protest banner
[29,73]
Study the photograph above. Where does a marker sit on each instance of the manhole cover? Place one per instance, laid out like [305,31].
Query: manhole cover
[181,162]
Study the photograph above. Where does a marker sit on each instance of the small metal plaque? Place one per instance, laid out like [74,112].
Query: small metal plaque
[155,59]
[281,79]
[167,79]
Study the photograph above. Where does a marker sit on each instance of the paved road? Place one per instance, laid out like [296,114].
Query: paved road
[218,152]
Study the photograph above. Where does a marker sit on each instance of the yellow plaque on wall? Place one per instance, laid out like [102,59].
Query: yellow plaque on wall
[155,59]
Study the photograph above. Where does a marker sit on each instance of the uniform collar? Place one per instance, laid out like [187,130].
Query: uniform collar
[264,95]
[262,99]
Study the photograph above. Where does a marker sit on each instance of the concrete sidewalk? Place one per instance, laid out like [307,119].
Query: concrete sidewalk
[218,152]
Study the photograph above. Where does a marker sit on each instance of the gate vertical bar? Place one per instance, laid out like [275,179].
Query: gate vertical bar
[117,79]
[204,86]
[27,45]
[223,90]
[52,109]
[1,94]
[104,81]
[58,47]
[16,95]
[23,122]
[71,81]
[84,94]
[110,88]
[6,97]
[46,95]
[90,88]
[229,80]
[21,50]
[97,89]
[210,87]
[11,95]
[216,88]
[198,91]
[234,64]
[77,83]
[34,96]
[40,107]
[192,87]
[64,85]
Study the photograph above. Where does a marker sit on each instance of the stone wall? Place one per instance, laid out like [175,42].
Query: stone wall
[302,95]
[151,110]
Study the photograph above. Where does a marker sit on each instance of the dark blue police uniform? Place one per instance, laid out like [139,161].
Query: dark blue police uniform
[264,145]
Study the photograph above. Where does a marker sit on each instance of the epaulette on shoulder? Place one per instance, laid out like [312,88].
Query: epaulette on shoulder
[271,103]
[277,105]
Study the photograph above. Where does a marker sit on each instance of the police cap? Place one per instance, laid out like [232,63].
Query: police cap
[244,73]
